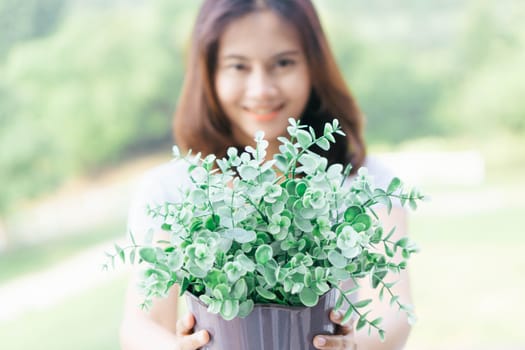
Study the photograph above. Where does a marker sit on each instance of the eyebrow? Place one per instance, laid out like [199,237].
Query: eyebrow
[280,54]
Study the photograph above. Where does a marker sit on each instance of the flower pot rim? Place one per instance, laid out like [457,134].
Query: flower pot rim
[262,306]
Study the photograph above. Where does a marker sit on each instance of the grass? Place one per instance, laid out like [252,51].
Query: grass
[467,280]
[84,322]
[468,295]
[23,259]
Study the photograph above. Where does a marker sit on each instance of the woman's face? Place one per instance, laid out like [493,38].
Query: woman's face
[262,76]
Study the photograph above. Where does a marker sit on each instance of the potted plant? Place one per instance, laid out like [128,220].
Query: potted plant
[262,247]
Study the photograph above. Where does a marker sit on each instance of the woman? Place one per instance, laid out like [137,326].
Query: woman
[252,65]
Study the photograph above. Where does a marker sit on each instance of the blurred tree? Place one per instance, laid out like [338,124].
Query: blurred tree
[395,98]
[101,87]
[380,64]
[27,19]
[484,92]
[85,83]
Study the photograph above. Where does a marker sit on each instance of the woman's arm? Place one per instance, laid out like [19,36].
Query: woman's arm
[158,327]
[395,322]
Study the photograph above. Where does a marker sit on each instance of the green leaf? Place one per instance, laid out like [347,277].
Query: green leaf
[327,129]
[377,278]
[206,299]
[362,303]
[360,323]
[214,306]
[245,262]
[412,203]
[239,290]
[120,253]
[308,297]
[307,278]
[197,271]
[362,219]
[390,284]
[266,294]
[337,259]
[270,274]
[389,252]
[245,308]
[148,255]
[303,224]
[198,196]
[403,242]
[348,314]
[211,222]
[351,213]
[390,233]
[132,237]
[323,144]
[184,285]
[300,188]
[263,254]
[221,292]
[381,335]
[304,138]
[352,267]
[394,185]
[229,309]
[323,287]
[199,174]
[309,161]
[381,293]
[240,235]
[393,299]
[377,321]
[175,260]
[297,288]
[340,274]
[376,236]
[330,137]
[233,271]
[339,302]
[248,172]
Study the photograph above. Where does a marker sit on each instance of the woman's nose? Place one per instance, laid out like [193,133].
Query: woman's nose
[261,85]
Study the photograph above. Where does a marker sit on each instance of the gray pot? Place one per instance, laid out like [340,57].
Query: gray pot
[267,327]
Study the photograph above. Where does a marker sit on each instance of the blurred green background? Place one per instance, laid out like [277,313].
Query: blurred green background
[87,91]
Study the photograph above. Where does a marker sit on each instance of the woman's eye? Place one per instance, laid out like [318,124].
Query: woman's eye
[237,67]
[285,63]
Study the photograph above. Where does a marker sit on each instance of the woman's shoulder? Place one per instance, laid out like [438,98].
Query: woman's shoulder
[380,173]
[159,185]
[163,182]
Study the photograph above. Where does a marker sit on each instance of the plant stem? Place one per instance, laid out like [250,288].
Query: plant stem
[370,324]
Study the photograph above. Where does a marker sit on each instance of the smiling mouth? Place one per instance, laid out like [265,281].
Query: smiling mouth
[264,114]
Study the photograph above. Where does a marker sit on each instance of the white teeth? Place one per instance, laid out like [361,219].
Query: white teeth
[262,111]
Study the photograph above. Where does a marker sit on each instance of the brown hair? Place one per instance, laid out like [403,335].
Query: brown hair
[201,125]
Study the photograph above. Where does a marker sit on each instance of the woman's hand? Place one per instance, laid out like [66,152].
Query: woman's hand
[344,338]
[186,339]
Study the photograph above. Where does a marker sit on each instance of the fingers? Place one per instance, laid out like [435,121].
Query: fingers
[194,341]
[344,338]
[335,342]
[337,317]
[188,339]
[185,325]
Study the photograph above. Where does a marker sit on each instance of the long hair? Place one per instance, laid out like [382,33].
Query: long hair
[200,123]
